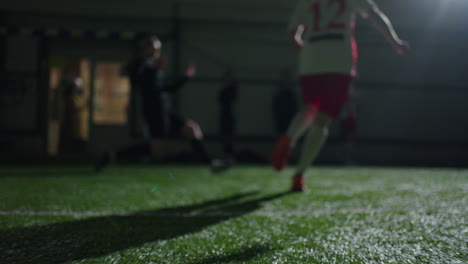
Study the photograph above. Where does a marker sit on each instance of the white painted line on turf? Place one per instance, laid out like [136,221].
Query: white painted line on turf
[320,212]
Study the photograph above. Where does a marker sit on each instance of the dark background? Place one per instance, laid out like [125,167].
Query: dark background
[412,110]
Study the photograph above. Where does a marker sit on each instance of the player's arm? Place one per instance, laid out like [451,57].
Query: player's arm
[295,37]
[296,27]
[191,70]
[385,26]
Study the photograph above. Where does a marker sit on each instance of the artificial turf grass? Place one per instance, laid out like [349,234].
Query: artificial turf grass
[390,213]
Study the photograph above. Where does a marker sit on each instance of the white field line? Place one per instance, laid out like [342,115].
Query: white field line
[320,212]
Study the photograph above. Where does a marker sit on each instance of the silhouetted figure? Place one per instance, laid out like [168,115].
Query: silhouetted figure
[285,103]
[148,81]
[227,99]
[74,123]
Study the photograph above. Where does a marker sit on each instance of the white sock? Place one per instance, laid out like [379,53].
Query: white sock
[315,138]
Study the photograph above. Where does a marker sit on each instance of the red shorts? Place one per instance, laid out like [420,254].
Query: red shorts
[329,92]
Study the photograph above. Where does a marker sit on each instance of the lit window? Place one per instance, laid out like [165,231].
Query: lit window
[111,94]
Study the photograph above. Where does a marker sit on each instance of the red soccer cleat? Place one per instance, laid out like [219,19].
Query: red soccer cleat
[280,155]
[298,183]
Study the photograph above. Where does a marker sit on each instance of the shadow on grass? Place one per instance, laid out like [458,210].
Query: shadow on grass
[240,255]
[99,236]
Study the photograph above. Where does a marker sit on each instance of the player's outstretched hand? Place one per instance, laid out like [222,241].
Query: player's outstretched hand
[403,47]
[191,70]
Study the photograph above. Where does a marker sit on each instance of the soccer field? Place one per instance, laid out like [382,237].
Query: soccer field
[171,214]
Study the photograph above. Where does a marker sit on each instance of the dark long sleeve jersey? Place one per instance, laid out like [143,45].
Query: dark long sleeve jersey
[152,84]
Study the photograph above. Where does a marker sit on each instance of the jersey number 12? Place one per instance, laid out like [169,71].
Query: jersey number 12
[317,8]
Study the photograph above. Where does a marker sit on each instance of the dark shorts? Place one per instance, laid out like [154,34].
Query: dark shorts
[165,124]
[328,91]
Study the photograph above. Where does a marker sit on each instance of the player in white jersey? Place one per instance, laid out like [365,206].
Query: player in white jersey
[323,33]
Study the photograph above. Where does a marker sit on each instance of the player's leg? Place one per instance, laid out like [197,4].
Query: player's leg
[285,144]
[191,130]
[156,119]
[299,125]
[333,96]
[315,138]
